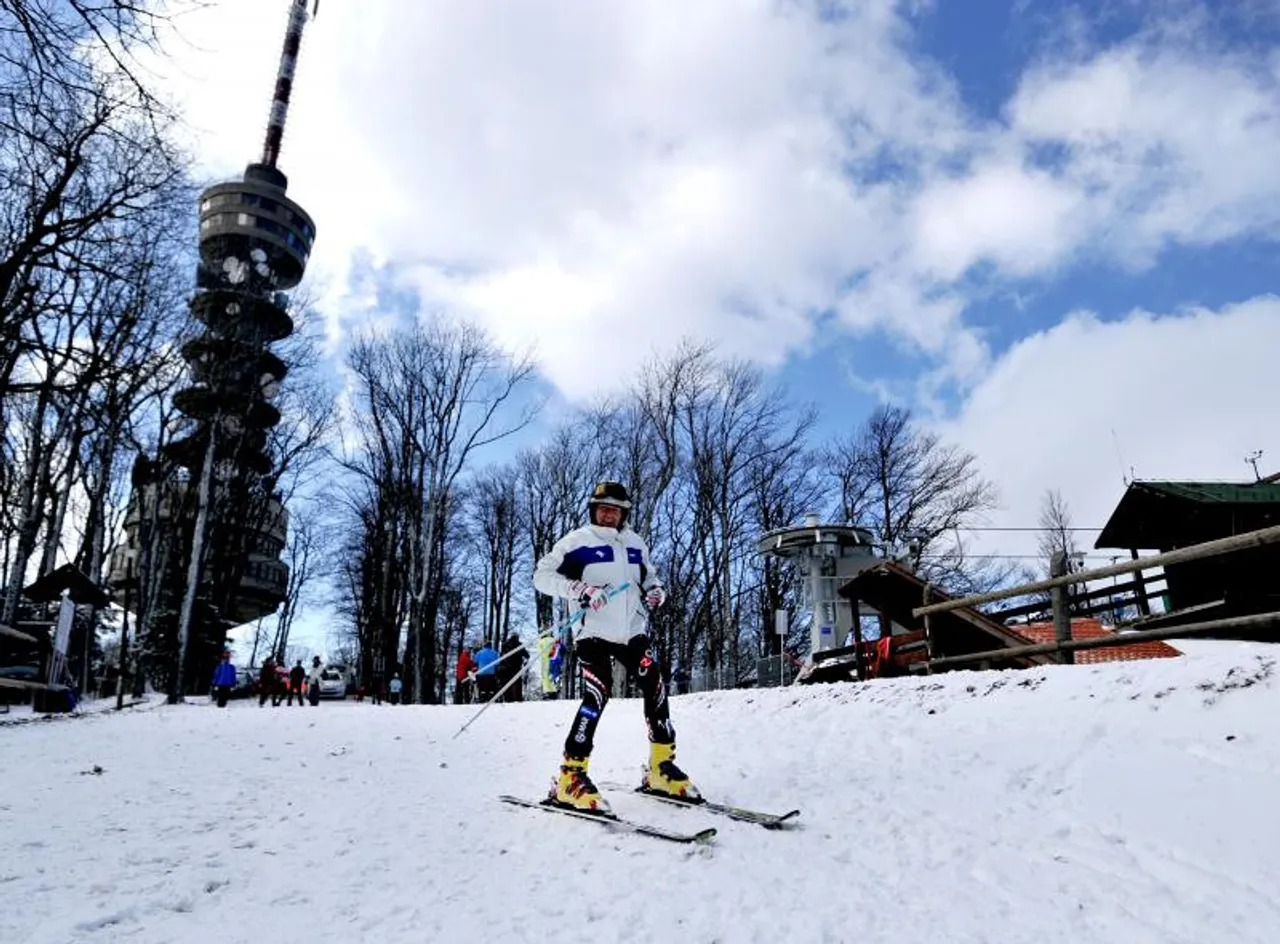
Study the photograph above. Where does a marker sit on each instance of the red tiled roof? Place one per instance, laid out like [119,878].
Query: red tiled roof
[1092,629]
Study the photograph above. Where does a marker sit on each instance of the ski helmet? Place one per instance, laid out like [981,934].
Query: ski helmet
[610,493]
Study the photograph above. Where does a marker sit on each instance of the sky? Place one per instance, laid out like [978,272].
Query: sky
[1125,803]
[1047,227]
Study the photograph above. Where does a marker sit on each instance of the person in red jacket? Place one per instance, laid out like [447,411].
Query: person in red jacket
[463,677]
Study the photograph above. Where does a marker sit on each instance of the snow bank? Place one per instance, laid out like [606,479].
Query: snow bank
[1128,802]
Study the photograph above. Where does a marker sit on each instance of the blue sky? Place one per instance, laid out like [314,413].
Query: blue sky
[1047,226]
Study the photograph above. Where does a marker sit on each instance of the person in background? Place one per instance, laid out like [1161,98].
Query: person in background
[394,689]
[297,675]
[313,681]
[224,679]
[511,666]
[463,678]
[548,653]
[267,682]
[680,678]
[486,672]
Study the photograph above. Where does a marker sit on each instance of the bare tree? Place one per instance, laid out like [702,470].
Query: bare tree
[433,395]
[494,518]
[906,486]
[50,39]
[1057,536]
[371,572]
[554,481]
[92,192]
[303,553]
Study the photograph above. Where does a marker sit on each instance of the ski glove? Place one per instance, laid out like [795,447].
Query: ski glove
[655,597]
[589,597]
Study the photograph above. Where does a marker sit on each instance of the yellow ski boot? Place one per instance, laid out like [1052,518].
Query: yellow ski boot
[663,778]
[574,789]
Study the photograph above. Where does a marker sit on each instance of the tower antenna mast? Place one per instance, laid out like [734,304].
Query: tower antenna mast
[284,80]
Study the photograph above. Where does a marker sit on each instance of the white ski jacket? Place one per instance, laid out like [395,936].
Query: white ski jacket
[601,557]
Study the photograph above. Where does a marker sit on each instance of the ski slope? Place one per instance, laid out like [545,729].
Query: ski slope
[1131,802]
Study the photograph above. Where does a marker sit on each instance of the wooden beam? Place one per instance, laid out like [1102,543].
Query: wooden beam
[15,634]
[1261,621]
[1238,542]
[1120,590]
[31,686]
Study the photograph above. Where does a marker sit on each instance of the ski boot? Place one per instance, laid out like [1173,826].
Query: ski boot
[573,788]
[663,778]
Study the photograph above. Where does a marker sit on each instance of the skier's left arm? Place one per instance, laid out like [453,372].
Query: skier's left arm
[655,594]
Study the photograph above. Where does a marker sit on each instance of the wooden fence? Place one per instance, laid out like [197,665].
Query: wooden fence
[1065,645]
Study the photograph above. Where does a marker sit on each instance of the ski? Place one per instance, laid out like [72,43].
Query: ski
[741,814]
[613,821]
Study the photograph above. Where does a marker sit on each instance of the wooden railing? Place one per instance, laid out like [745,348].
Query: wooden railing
[1238,542]
[1056,584]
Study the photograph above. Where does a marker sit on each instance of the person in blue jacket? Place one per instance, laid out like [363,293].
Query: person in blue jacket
[224,679]
[486,672]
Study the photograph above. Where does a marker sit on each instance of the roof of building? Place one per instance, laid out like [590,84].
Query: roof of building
[1092,629]
[1221,492]
[83,591]
[895,591]
[1164,515]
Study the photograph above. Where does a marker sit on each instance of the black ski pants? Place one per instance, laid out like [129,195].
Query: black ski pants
[595,658]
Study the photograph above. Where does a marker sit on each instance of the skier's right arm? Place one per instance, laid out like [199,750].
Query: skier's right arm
[553,577]
[559,573]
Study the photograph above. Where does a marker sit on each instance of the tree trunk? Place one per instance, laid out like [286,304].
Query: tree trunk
[195,565]
[29,516]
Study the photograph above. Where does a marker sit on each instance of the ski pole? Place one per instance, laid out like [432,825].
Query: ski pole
[497,696]
[568,622]
[519,675]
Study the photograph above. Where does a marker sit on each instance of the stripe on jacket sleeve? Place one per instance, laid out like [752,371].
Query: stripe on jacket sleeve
[577,560]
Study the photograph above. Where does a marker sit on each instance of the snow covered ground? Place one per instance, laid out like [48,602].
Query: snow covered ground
[1122,803]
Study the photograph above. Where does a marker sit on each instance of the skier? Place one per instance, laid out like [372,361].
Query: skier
[224,679]
[583,566]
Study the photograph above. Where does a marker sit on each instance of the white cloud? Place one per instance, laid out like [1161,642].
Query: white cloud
[573,171]
[1017,217]
[577,171]
[1169,143]
[1183,396]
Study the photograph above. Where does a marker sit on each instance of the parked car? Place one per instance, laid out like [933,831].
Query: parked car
[246,683]
[333,684]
